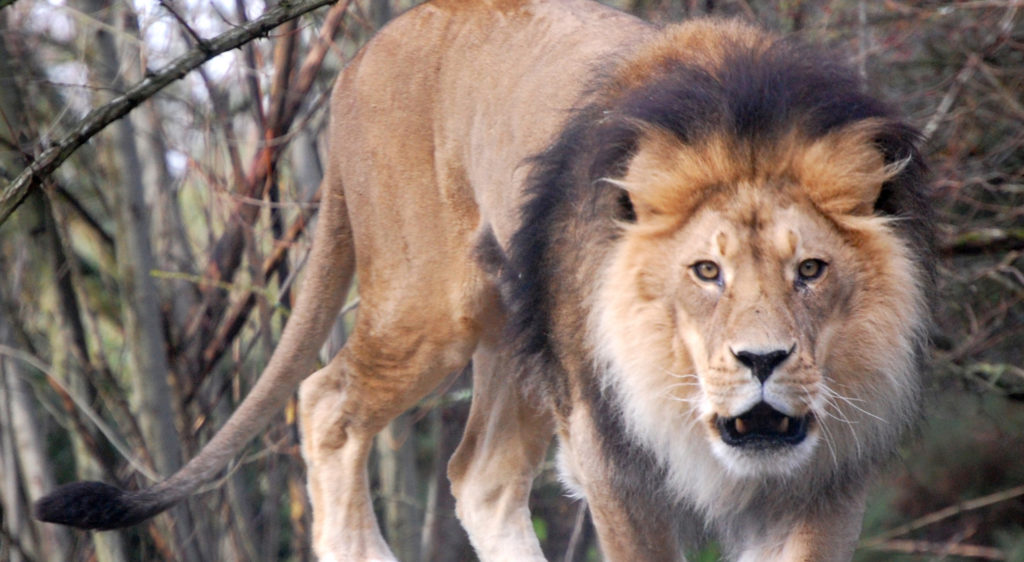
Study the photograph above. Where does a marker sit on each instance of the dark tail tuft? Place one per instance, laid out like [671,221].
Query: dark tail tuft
[95,505]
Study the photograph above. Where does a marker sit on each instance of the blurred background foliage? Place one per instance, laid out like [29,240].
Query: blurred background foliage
[146,280]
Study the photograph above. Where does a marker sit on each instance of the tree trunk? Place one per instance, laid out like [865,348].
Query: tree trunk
[24,450]
[70,355]
[399,487]
[32,458]
[17,543]
[141,313]
[172,252]
[23,442]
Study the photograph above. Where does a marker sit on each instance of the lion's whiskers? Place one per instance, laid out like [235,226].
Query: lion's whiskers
[679,385]
[681,375]
[685,382]
[834,394]
[692,401]
[830,403]
[830,440]
[827,436]
[830,443]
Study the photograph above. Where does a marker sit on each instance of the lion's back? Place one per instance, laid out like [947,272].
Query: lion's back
[473,89]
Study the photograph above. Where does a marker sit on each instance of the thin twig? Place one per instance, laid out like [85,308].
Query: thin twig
[236,316]
[83,406]
[199,41]
[253,83]
[224,255]
[943,514]
[577,533]
[946,103]
[985,240]
[315,55]
[942,549]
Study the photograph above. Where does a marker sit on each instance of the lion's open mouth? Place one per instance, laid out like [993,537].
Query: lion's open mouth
[762,426]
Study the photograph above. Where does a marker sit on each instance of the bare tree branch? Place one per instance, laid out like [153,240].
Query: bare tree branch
[99,118]
[985,240]
[239,312]
[941,549]
[942,514]
[184,24]
[225,256]
[82,404]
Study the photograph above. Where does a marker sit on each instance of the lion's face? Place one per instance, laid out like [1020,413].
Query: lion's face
[755,286]
[747,316]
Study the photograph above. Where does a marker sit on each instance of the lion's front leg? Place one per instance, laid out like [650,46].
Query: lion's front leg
[631,516]
[492,470]
[387,365]
[822,535]
[344,525]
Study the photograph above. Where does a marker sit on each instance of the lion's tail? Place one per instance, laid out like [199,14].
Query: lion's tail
[94,505]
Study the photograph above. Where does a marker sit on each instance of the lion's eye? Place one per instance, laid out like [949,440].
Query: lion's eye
[706,270]
[809,270]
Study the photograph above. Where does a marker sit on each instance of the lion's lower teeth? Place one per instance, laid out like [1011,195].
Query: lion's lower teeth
[741,426]
[784,425]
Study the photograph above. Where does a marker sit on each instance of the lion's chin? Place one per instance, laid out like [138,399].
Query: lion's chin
[763,441]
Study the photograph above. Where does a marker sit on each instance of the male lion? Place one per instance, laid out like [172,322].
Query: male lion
[698,253]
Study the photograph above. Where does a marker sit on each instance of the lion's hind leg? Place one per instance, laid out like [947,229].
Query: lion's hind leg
[382,370]
[492,470]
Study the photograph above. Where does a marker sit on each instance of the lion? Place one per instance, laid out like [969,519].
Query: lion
[697,256]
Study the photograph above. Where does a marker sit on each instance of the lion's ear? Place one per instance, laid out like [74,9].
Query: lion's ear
[844,171]
[635,207]
[665,178]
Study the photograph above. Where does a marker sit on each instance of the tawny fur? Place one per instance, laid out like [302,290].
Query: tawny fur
[529,185]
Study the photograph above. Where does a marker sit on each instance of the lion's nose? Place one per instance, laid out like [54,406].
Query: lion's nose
[762,364]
